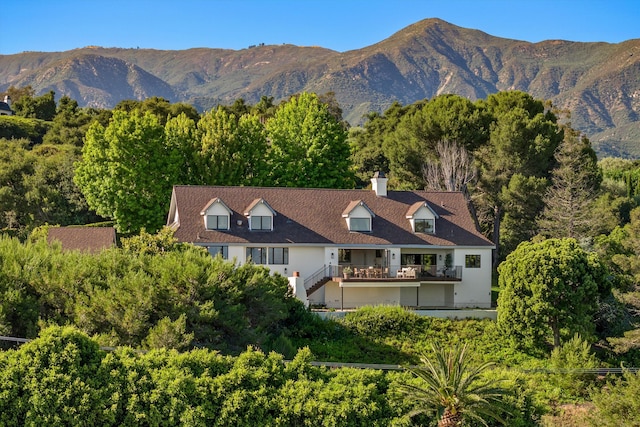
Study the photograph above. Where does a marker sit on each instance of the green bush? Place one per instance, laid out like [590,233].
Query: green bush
[382,321]
[62,378]
[617,404]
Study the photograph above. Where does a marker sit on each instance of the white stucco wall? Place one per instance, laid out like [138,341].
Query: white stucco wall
[357,297]
[475,288]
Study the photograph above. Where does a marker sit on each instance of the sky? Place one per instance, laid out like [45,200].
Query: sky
[341,25]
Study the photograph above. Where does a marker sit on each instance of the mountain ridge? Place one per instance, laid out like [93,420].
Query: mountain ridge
[597,82]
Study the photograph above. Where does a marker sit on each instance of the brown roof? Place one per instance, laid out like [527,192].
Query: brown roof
[314,216]
[86,239]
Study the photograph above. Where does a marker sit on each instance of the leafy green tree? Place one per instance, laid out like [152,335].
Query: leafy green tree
[16,163]
[367,154]
[50,191]
[169,334]
[70,124]
[412,145]
[452,385]
[574,183]
[523,138]
[239,108]
[159,107]
[181,138]
[265,108]
[37,107]
[520,198]
[628,247]
[551,289]
[127,171]
[308,146]
[232,149]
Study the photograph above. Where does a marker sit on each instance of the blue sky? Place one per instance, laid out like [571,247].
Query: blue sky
[57,25]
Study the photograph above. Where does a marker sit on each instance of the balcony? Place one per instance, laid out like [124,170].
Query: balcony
[354,274]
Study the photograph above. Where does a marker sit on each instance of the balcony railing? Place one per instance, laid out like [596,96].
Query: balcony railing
[404,272]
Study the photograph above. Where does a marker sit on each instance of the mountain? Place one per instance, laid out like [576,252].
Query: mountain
[598,82]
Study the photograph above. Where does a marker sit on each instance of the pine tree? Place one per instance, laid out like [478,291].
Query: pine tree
[574,184]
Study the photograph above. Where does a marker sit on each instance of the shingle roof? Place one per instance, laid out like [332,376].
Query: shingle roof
[85,239]
[314,216]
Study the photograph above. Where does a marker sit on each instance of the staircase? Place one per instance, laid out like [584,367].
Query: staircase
[320,278]
[320,283]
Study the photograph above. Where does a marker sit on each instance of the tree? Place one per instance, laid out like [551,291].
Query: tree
[574,183]
[520,199]
[456,388]
[412,145]
[308,146]
[181,138]
[453,169]
[37,107]
[127,171]
[69,125]
[626,257]
[523,138]
[550,288]
[231,149]
[367,154]
[50,191]
[16,163]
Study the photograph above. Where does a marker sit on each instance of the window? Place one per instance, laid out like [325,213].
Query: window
[260,222]
[344,255]
[278,255]
[217,222]
[257,255]
[423,225]
[222,250]
[472,261]
[360,224]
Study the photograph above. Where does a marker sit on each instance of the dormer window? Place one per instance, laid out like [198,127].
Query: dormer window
[216,215]
[260,215]
[260,223]
[358,216]
[217,222]
[360,224]
[424,225]
[422,218]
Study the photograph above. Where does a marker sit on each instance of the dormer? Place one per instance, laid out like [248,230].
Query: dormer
[422,218]
[358,216]
[216,215]
[260,215]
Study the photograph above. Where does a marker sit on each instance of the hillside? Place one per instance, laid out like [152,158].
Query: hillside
[597,82]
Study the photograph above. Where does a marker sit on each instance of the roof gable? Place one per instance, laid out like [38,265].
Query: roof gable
[213,202]
[257,203]
[354,205]
[415,209]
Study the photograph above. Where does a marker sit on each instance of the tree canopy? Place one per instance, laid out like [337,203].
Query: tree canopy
[550,289]
[308,146]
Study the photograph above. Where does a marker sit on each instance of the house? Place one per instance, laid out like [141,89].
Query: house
[5,107]
[84,239]
[347,247]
